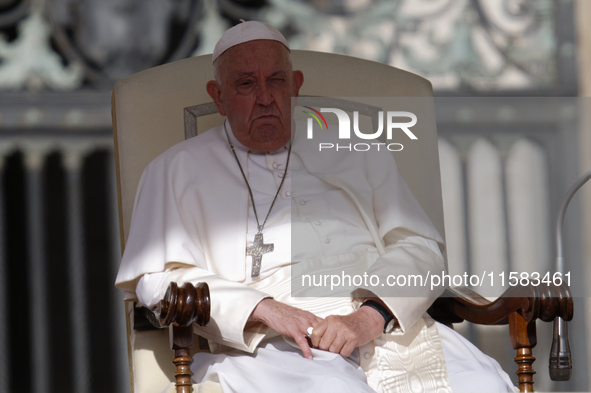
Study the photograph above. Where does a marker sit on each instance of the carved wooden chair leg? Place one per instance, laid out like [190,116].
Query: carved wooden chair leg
[523,339]
[181,341]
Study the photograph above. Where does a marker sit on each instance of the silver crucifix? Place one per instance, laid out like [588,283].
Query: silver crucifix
[256,251]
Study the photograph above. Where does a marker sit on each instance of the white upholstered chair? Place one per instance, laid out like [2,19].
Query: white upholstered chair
[159,107]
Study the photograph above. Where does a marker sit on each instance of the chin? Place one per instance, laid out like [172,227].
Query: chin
[267,145]
[270,135]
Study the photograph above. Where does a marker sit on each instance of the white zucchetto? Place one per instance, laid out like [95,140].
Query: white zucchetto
[244,32]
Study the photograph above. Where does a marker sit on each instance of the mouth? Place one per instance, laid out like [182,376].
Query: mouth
[267,118]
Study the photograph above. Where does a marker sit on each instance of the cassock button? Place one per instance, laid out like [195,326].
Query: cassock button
[276,165]
[303,202]
[288,194]
[366,355]
[326,241]
[317,222]
[281,174]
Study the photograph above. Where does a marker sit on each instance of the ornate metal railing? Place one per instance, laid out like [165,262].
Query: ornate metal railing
[465,46]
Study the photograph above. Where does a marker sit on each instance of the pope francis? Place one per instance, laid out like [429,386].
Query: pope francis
[244,205]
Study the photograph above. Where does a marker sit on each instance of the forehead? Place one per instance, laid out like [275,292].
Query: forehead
[254,57]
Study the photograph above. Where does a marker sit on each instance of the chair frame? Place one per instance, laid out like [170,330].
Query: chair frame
[519,306]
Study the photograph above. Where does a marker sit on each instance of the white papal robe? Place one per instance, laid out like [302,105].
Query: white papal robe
[193,220]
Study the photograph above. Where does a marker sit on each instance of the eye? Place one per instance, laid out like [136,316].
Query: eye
[245,86]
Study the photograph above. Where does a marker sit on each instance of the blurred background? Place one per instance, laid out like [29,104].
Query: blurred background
[510,77]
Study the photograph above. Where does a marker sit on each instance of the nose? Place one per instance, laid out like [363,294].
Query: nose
[263,94]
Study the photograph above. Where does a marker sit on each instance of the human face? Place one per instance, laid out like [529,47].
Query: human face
[254,90]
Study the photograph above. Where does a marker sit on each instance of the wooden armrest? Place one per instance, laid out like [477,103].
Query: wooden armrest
[545,302]
[178,310]
[519,307]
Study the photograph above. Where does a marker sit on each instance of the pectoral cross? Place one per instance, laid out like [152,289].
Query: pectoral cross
[256,251]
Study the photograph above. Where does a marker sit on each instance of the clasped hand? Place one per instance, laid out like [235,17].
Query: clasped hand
[336,333]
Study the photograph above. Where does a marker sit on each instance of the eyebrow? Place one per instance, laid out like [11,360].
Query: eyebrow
[279,73]
[276,73]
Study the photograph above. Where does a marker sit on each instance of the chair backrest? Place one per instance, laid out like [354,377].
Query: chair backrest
[152,109]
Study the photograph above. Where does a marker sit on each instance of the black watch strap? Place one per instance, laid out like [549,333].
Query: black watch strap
[384,312]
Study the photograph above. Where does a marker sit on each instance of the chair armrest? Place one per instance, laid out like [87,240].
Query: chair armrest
[181,306]
[178,310]
[545,302]
[185,305]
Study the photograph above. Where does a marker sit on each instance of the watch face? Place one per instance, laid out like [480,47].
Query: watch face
[390,326]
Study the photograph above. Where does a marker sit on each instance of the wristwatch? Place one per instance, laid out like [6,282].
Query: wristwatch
[390,321]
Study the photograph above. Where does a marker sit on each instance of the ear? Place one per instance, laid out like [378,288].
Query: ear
[214,91]
[298,81]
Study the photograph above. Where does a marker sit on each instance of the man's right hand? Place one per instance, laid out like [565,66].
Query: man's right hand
[286,320]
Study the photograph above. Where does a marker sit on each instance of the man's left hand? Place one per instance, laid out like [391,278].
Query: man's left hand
[343,333]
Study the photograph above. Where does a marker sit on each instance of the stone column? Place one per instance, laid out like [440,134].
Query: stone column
[4,370]
[73,160]
[40,357]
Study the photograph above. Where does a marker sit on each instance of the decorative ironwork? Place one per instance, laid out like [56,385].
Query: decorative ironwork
[115,38]
[465,45]
[28,61]
[460,45]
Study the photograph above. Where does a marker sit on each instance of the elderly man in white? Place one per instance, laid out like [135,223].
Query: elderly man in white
[220,208]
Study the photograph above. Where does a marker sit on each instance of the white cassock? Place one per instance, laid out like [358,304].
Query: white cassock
[193,220]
